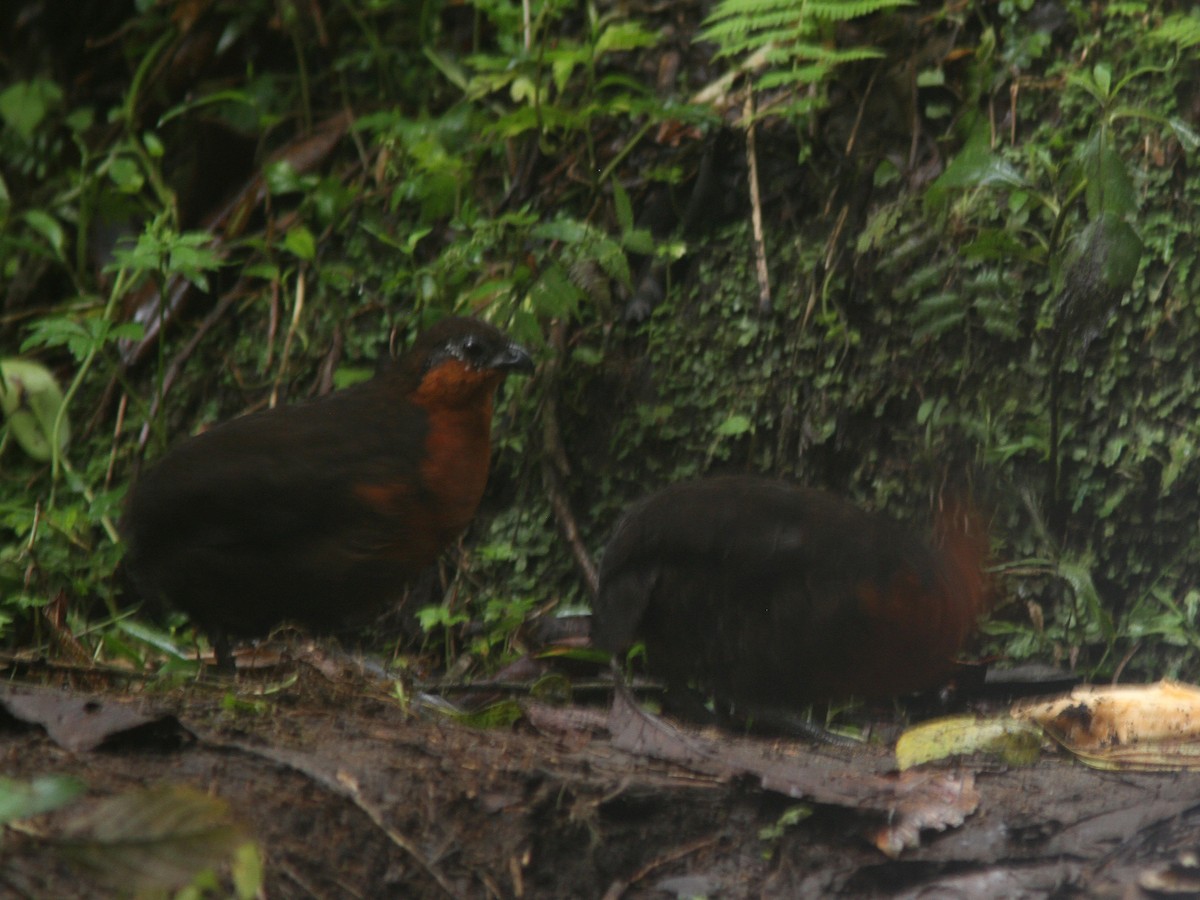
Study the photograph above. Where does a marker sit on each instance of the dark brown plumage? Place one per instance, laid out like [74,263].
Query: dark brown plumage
[774,596]
[318,513]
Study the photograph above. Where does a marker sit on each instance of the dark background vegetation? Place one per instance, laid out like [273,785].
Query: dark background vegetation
[978,221]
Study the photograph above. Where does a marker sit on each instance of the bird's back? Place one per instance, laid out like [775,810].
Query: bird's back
[765,592]
[270,516]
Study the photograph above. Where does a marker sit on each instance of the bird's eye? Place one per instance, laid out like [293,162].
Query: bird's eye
[472,348]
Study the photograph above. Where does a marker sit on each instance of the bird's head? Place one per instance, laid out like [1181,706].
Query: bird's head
[462,360]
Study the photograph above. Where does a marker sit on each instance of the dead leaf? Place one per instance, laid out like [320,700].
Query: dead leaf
[926,800]
[1132,727]
[160,837]
[1018,742]
[910,803]
[81,723]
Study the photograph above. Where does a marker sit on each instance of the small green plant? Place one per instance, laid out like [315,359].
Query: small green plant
[772,834]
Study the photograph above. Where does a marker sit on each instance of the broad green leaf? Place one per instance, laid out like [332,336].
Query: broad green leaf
[1015,741]
[160,837]
[47,226]
[25,104]
[1110,188]
[976,165]
[126,174]
[300,242]
[30,399]
[23,799]
[734,425]
[622,206]
[626,35]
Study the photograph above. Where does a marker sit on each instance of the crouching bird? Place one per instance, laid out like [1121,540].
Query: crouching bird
[771,596]
[318,513]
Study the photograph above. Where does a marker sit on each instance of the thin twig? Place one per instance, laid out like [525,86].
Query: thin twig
[112,455]
[297,311]
[555,466]
[176,365]
[618,888]
[340,782]
[756,218]
[350,785]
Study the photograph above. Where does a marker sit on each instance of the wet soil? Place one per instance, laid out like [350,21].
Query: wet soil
[350,792]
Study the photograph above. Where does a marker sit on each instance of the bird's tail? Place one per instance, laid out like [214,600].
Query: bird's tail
[961,535]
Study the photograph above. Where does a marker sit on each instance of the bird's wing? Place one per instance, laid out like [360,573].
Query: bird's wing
[747,538]
[243,485]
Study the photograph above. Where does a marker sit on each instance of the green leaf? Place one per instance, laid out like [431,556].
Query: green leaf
[1103,258]
[734,425]
[1110,188]
[1185,134]
[1017,742]
[640,240]
[344,376]
[161,837]
[1181,30]
[80,120]
[126,175]
[555,294]
[23,799]
[569,231]
[431,617]
[30,399]
[622,207]
[47,226]
[247,872]
[974,166]
[282,178]
[626,35]
[25,104]
[501,714]
[300,242]
[153,637]
[153,144]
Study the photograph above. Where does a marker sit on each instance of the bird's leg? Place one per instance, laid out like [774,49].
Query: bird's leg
[224,653]
[789,722]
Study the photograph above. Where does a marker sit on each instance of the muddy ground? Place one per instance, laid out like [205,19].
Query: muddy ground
[350,792]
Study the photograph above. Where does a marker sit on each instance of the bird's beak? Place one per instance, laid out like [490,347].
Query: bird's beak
[514,358]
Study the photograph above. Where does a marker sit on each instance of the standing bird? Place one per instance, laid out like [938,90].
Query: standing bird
[771,596]
[319,513]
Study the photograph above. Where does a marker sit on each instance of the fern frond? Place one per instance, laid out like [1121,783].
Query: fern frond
[783,35]
[845,10]
[800,77]
[1182,31]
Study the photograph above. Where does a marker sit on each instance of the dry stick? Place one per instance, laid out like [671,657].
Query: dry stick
[858,117]
[176,365]
[342,783]
[1013,91]
[272,324]
[831,247]
[86,667]
[350,784]
[297,311]
[760,246]
[555,466]
[618,888]
[330,363]
[1116,676]
[112,455]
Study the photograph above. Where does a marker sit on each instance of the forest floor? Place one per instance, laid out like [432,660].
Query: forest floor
[348,792]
